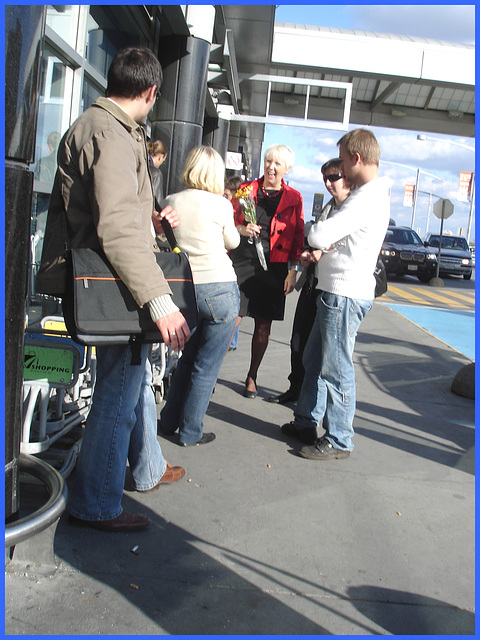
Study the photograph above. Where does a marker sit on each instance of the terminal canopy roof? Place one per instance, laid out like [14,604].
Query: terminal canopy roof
[266,72]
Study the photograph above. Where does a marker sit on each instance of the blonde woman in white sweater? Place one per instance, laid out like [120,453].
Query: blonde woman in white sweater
[206,232]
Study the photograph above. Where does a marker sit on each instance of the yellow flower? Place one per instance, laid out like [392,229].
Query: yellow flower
[243,193]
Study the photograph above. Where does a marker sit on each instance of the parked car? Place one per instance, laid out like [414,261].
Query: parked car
[455,255]
[403,252]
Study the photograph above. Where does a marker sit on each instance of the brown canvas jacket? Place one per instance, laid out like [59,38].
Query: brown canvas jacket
[102,198]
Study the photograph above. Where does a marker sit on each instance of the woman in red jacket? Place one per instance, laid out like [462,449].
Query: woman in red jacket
[278,230]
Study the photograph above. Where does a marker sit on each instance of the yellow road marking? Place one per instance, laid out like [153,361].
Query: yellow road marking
[469,297]
[445,297]
[403,294]
[441,298]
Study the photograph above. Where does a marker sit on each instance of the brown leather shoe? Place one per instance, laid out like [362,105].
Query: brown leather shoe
[172,474]
[125,522]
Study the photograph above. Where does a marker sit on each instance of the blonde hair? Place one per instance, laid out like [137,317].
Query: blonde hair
[204,169]
[283,153]
[363,142]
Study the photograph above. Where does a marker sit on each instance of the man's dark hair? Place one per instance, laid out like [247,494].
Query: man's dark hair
[133,70]
[232,183]
[334,163]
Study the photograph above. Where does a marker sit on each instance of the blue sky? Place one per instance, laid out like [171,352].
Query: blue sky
[314,146]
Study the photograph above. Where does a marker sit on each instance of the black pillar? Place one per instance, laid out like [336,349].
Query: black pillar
[177,119]
[24,26]
[216,133]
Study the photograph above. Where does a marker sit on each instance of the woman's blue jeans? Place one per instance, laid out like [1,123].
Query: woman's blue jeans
[121,425]
[328,389]
[197,371]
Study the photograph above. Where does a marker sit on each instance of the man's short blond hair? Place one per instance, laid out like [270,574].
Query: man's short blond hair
[363,142]
[204,169]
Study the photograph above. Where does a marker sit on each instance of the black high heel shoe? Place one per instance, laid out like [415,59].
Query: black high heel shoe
[249,394]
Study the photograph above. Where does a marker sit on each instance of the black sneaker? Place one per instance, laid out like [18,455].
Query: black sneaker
[307,435]
[287,396]
[205,439]
[323,450]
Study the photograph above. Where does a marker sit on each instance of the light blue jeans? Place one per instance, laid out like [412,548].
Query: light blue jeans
[197,371]
[328,389]
[121,425]
[234,343]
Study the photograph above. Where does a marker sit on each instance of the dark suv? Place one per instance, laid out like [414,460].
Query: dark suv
[403,253]
[455,256]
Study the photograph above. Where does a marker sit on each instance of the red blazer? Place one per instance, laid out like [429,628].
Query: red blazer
[287,225]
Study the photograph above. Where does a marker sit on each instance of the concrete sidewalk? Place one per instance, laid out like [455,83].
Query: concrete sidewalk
[256,540]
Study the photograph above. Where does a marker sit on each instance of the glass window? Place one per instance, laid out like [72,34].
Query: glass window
[53,116]
[63,19]
[90,94]
[100,46]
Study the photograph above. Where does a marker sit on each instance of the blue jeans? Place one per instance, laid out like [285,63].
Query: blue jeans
[234,343]
[328,389]
[197,371]
[121,425]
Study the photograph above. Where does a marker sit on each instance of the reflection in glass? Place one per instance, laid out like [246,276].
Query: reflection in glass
[53,113]
[63,19]
[90,94]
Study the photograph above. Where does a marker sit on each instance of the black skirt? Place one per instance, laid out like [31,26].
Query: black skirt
[261,292]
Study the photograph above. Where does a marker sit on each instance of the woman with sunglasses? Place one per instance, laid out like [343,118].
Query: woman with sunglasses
[339,188]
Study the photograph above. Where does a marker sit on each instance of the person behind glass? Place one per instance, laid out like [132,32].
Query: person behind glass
[280,227]
[157,152]
[206,232]
[339,188]
[231,185]
[113,211]
[46,167]
[349,241]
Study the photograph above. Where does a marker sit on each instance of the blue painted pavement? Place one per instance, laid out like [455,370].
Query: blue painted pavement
[455,328]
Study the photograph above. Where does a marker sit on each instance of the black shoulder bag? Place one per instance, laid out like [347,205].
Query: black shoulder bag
[100,310]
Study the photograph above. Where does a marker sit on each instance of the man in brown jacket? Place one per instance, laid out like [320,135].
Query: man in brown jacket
[102,196]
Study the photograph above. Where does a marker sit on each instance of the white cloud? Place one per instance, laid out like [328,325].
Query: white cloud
[452,23]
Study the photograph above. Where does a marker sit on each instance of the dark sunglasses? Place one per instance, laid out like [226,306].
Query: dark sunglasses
[157,94]
[333,177]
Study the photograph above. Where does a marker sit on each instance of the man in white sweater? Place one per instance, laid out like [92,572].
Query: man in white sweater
[350,241]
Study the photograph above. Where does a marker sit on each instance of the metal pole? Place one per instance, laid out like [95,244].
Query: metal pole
[472,205]
[440,247]
[428,213]
[415,198]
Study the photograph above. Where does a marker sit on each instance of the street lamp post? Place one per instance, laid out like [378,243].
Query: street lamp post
[417,180]
[429,194]
[423,137]
[414,209]
[472,204]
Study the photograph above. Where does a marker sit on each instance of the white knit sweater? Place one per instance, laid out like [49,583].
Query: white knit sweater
[361,222]
[206,231]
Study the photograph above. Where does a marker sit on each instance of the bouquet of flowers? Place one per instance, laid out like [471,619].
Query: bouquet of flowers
[249,209]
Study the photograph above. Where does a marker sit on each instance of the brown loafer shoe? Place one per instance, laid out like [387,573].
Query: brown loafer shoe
[125,522]
[172,474]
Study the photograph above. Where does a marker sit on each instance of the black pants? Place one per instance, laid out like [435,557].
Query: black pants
[302,325]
